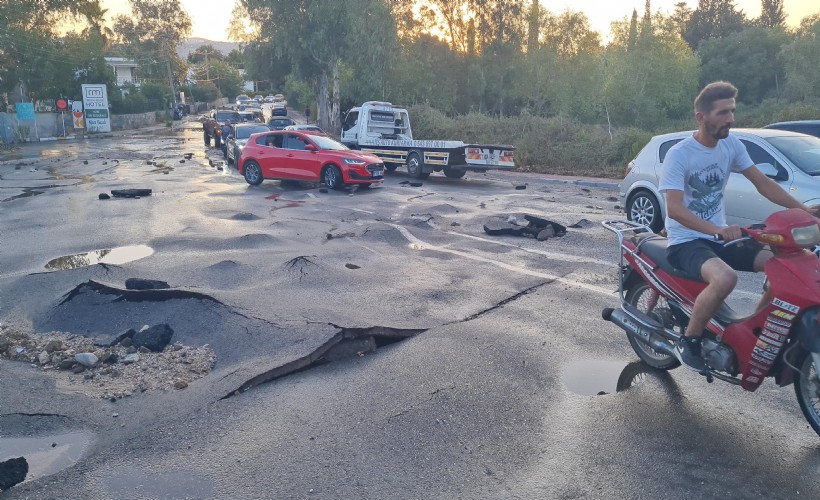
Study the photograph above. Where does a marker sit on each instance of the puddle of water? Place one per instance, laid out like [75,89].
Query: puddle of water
[46,455]
[118,255]
[597,377]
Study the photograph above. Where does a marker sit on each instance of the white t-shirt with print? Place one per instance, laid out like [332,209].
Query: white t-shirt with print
[701,173]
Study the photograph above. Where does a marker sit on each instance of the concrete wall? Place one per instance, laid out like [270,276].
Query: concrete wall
[51,124]
[128,122]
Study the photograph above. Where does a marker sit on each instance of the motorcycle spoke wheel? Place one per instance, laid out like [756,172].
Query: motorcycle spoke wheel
[650,302]
[807,390]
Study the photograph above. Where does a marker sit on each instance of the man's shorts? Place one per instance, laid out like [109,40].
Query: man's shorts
[690,256]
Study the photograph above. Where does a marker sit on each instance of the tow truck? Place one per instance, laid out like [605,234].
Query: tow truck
[383,129]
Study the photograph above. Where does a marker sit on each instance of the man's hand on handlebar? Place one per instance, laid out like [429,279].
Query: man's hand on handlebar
[814,210]
[729,233]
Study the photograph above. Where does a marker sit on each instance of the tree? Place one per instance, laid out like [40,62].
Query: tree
[151,34]
[772,14]
[633,31]
[713,19]
[205,53]
[799,58]
[533,27]
[749,59]
[653,83]
[28,40]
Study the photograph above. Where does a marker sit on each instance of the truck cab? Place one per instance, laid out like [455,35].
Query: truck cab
[375,120]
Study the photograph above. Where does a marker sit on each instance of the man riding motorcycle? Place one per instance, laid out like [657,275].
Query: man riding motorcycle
[693,180]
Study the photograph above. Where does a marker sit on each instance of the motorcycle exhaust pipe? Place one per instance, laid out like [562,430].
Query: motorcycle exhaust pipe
[642,330]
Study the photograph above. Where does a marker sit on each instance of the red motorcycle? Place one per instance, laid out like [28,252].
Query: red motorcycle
[780,341]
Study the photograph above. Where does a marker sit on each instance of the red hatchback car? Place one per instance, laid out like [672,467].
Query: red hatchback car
[307,156]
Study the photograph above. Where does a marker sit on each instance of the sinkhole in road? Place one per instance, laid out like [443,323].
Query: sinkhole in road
[114,256]
[46,455]
[595,377]
[345,344]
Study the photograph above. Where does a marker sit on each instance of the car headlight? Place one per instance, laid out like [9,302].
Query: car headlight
[351,161]
[806,236]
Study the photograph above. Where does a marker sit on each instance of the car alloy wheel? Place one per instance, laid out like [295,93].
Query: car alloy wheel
[332,177]
[643,209]
[253,174]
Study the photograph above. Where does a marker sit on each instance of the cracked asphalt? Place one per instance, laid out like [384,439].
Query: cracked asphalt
[475,403]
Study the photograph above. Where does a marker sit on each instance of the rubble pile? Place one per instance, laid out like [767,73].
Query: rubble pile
[135,361]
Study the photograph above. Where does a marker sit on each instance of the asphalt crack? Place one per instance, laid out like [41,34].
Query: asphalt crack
[159,295]
[346,343]
[504,302]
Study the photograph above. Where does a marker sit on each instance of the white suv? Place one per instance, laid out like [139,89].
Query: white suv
[790,158]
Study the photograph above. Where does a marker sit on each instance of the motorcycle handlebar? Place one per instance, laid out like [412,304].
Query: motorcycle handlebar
[745,237]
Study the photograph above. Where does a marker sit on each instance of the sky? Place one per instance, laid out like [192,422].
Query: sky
[210,17]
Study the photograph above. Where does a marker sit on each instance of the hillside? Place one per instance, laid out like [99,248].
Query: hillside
[191,44]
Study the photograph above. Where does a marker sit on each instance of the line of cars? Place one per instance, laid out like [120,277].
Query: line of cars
[787,152]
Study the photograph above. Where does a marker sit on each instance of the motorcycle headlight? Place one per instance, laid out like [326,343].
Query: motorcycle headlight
[351,161]
[806,236]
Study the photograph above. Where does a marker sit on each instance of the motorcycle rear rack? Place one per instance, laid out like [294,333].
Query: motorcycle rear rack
[620,228]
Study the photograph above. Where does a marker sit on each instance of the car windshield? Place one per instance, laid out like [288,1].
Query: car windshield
[328,143]
[803,151]
[245,132]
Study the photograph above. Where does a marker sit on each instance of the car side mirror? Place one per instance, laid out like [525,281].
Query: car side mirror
[310,147]
[772,172]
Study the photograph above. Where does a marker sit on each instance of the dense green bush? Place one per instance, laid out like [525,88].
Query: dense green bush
[201,92]
[555,145]
[776,110]
[144,99]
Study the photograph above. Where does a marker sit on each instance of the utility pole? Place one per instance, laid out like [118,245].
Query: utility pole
[170,74]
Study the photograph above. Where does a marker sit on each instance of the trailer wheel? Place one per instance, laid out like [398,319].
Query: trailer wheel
[415,166]
[454,173]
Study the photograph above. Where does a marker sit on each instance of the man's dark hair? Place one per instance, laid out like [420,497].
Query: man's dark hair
[715,91]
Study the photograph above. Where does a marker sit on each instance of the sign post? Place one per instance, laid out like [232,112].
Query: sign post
[61,105]
[95,101]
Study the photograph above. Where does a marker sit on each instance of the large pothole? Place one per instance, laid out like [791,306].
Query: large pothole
[347,343]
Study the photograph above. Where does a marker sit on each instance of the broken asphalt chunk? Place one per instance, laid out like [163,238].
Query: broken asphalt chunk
[130,193]
[503,228]
[416,184]
[154,338]
[104,196]
[521,187]
[582,224]
[12,471]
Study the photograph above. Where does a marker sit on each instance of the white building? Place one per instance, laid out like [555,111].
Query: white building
[124,70]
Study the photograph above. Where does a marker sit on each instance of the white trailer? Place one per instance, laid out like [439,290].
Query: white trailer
[384,130]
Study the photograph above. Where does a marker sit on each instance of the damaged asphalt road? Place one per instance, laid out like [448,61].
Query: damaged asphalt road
[373,344]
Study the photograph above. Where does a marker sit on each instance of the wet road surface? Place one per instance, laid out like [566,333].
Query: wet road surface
[370,344]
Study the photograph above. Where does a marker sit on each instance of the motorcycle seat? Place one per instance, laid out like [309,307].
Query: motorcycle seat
[654,247]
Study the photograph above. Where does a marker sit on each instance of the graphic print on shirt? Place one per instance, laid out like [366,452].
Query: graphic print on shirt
[707,191]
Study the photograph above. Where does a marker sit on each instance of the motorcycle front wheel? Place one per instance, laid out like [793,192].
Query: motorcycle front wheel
[648,301]
[807,389]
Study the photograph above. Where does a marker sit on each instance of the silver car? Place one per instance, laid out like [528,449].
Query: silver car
[790,158]
[238,138]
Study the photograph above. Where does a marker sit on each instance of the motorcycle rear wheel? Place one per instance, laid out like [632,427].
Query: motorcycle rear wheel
[639,296]
[807,390]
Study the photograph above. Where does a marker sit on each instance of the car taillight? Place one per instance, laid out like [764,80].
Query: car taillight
[629,167]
